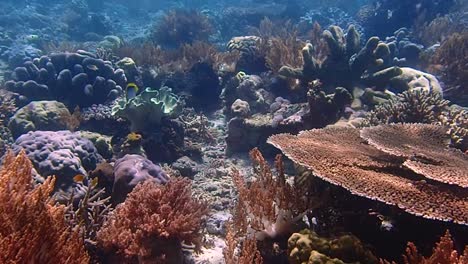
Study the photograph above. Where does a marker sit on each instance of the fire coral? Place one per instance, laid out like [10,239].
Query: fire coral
[153,222]
[32,228]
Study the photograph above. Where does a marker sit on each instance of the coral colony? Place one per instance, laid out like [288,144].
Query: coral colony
[236,132]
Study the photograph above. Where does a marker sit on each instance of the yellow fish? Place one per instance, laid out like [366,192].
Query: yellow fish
[132,90]
[79,178]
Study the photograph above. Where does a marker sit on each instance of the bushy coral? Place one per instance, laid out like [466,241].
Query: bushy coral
[181,26]
[154,221]
[427,107]
[32,228]
[450,62]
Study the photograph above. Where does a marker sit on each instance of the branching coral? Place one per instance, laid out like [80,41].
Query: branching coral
[7,106]
[90,212]
[154,221]
[443,253]
[452,58]
[32,228]
[182,26]
[266,209]
[340,156]
[418,106]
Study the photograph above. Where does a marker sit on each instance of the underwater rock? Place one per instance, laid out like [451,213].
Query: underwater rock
[131,170]
[39,115]
[146,110]
[61,153]
[186,166]
[71,78]
[240,108]
[249,88]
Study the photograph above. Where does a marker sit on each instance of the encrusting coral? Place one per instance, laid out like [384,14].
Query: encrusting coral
[340,156]
[154,221]
[32,228]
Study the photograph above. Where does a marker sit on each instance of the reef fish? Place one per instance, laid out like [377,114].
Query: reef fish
[132,90]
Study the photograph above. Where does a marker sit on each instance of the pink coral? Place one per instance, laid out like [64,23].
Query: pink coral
[153,222]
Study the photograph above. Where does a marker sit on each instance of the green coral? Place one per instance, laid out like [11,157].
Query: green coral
[306,247]
[146,110]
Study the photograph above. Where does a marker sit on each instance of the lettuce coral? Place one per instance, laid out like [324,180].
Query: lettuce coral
[148,108]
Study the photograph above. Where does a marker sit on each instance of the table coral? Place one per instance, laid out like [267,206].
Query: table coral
[340,156]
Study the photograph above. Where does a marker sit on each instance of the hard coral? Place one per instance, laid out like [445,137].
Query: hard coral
[340,156]
[182,26]
[154,221]
[452,56]
[32,228]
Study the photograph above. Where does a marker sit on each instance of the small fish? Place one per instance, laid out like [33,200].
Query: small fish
[132,90]
[79,178]
[92,67]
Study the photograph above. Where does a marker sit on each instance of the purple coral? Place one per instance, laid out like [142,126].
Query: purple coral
[132,169]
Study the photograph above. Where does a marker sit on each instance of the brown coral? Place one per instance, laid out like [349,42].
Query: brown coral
[153,222]
[443,253]
[32,228]
[340,156]
[424,148]
[450,61]
[181,26]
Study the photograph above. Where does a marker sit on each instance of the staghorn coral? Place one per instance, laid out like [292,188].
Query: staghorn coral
[87,209]
[181,26]
[154,221]
[340,156]
[32,228]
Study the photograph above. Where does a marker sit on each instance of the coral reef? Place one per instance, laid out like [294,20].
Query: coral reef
[29,217]
[267,209]
[305,247]
[60,153]
[154,221]
[423,107]
[132,169]
[39,115]
[450,61]
[378,175]
[146,110]
[71,78]
[181,26]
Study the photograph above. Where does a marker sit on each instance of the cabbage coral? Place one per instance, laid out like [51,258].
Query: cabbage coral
[148,108]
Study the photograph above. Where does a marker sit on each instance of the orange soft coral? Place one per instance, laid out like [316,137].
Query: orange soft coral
[32,228]
[153,222]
